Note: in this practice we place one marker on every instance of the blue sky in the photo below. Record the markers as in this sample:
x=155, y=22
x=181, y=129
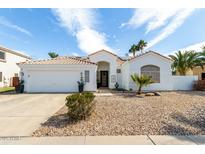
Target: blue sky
x=82, y=31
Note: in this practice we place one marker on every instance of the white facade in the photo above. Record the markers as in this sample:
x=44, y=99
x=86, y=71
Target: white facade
x=57, y=78
x=8, y=65
x=135, y=65
x=109, y=63
x=167, y=80
x=108, y=68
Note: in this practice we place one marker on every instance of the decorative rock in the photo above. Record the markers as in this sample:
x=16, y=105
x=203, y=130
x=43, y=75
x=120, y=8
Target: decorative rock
x=149, y=94
x=157, y=94
x=174, y=113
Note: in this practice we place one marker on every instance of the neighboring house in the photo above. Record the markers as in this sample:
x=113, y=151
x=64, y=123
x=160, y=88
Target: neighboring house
x=188, y=72
x=8, y=66
x=103, y=68
x=199, y=72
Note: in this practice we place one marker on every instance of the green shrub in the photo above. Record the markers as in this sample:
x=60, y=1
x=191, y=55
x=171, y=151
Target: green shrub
x=80, y=105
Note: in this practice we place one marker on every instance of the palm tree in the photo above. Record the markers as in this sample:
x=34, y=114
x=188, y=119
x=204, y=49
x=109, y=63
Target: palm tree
x=141, y=81
x=53, y=54
x=141, y=45
x=184, y=61
x=202, y=54
x=133, y=49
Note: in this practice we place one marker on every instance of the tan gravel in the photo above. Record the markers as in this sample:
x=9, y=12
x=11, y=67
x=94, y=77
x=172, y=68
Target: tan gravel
x=173, y=113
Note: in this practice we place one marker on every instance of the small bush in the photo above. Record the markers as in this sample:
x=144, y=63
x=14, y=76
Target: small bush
x=80, y=105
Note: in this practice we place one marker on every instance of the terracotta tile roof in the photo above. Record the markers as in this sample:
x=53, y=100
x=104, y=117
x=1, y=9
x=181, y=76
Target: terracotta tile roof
x=61, y=60
x=102, y=50
x=120, y=61
x=150, y=52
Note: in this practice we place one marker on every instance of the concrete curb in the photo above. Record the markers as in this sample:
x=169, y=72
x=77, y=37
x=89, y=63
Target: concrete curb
x=104, y=140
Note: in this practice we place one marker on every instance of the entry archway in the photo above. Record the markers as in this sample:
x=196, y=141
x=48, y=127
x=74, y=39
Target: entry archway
x=103, y=73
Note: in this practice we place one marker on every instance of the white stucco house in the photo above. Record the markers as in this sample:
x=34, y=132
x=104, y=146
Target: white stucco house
x=8, y=65
x=101, y=68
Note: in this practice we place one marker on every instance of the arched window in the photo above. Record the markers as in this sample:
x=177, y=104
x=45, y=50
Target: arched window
x=152, y=71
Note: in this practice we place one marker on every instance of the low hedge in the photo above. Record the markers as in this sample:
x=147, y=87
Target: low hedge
x=80, y=105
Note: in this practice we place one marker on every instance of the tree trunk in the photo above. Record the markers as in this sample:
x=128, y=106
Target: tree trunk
x=182, y=73
x=139, y=90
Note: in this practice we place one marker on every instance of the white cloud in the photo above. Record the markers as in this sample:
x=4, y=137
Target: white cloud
x=13, y=38
x=7, y=23
x=82, y=24
x=167, y=19
x=154, y=18
x=176, y=22
x=91, y=40
x=75, y=54
x=197, y=47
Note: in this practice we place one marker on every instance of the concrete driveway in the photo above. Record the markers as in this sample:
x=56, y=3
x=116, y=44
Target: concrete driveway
x=21, y=114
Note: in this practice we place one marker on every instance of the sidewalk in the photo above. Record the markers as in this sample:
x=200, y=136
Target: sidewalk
x=106, y=140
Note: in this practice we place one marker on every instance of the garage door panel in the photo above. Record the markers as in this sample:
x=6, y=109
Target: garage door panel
x=53, y=81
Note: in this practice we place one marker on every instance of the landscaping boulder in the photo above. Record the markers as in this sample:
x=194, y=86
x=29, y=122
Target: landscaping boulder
x=157, y=94
x=149, y=94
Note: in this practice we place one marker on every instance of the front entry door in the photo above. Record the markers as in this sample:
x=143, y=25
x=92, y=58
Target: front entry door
x=104, y=78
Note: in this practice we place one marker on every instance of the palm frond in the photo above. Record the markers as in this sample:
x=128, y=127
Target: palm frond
x=141, y=81
x=183, y=61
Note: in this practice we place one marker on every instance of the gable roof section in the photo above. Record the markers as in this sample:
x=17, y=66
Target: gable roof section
x=102, y=51
x=60, y=60
x=120, y=61
x=14, y=52
x=148, y=52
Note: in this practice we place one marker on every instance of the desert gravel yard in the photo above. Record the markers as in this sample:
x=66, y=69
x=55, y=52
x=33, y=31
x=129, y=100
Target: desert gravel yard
x=173, y=113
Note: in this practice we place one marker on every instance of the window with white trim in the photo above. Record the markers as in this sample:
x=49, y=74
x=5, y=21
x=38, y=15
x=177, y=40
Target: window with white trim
x=151, y=71
x=87, y=76
x=2, y=55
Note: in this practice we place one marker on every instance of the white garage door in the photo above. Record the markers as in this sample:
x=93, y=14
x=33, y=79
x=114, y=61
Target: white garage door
x=53, y=81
